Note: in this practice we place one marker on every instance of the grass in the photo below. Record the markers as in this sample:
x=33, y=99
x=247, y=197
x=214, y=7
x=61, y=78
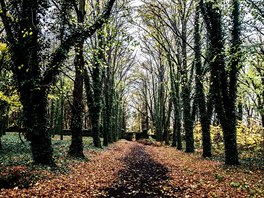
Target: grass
x=14, y=151
x=16, y=165
x=17, y=153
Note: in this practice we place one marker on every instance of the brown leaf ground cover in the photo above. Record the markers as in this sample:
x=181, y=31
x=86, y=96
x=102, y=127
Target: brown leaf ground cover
x=131, y=169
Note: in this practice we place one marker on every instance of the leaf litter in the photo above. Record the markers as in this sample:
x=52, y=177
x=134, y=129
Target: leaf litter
x=131, y=169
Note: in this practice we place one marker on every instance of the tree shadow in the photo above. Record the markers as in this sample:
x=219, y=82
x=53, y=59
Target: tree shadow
x=143, y=177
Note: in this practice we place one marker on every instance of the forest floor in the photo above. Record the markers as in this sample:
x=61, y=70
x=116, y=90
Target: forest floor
x=131, y=169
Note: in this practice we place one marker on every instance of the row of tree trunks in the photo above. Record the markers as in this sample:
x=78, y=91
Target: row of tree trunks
x=33, y=87
x=223, y=81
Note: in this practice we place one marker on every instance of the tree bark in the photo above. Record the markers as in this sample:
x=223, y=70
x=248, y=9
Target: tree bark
x=167, y=124
x=35, y=114
x=177, y=140
x=107, y=112
x=3, y=119
x=76, y=147
x=224, y=91
x=204, y=117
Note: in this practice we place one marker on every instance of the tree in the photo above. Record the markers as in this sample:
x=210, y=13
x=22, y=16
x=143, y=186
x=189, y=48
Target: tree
x=76, y=147
x=173, y=37
x=24, y=36
x=3, y=97
x=224, y=81
x=94, y=82
x=119, y=59
x=176, y=141
x=250, y=92
x=188, y=108
x=200, y=95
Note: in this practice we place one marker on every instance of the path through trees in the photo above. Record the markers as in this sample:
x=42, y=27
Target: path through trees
x=143, y=177
x=131, y=169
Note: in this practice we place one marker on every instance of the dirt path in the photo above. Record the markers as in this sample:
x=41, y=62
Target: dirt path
x=143, y=177
x=130, y=169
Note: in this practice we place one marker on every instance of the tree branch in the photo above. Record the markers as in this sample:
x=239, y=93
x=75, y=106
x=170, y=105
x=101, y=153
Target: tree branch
x=6, y=23
x=61, y=52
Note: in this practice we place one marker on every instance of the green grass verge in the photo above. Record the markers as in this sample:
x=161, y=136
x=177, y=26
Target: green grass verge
x=17, y=153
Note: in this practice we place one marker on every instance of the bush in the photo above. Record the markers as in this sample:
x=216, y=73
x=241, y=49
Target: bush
x=249, y=139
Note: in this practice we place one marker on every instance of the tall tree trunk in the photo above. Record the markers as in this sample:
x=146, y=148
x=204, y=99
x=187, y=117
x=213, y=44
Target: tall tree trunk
x=186, y=85
x=229, y=125
x=3, y=119
x=224, y=91
x=187, y=119
x=97, y=86
x=106, y=126
x=174, y=142
x=114, y=118
x=76, y=147
x=160, y=102
x=177, y=140
x=145, y=117
x=33, y=94
x=95, y=119
x=107, y=113
x=167, y=124
x=61, y=117
x=93, y=93
x=204, y=117
x=51, y=118
x=186, y=92
x=35, y=114
x=123, y=120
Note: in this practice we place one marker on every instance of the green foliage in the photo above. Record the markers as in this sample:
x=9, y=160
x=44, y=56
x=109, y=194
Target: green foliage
x=12, y=100
x=249, y=139
x=14, y=151
x=235, y=184
x=219, y=177
x=17, y=153
x=3, y=48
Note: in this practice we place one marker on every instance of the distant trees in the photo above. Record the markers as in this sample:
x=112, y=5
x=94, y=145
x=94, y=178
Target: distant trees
x=203, y=79
x=111, y=57
x=251, y=96
x=168, y=28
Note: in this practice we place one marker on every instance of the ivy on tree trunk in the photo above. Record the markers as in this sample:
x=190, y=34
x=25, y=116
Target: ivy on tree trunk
x=224, y=82
x=76, y=147
x=24, y=40
x=204, y=117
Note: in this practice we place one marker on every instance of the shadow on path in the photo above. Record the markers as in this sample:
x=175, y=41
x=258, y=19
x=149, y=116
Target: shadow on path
x=143, y=177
